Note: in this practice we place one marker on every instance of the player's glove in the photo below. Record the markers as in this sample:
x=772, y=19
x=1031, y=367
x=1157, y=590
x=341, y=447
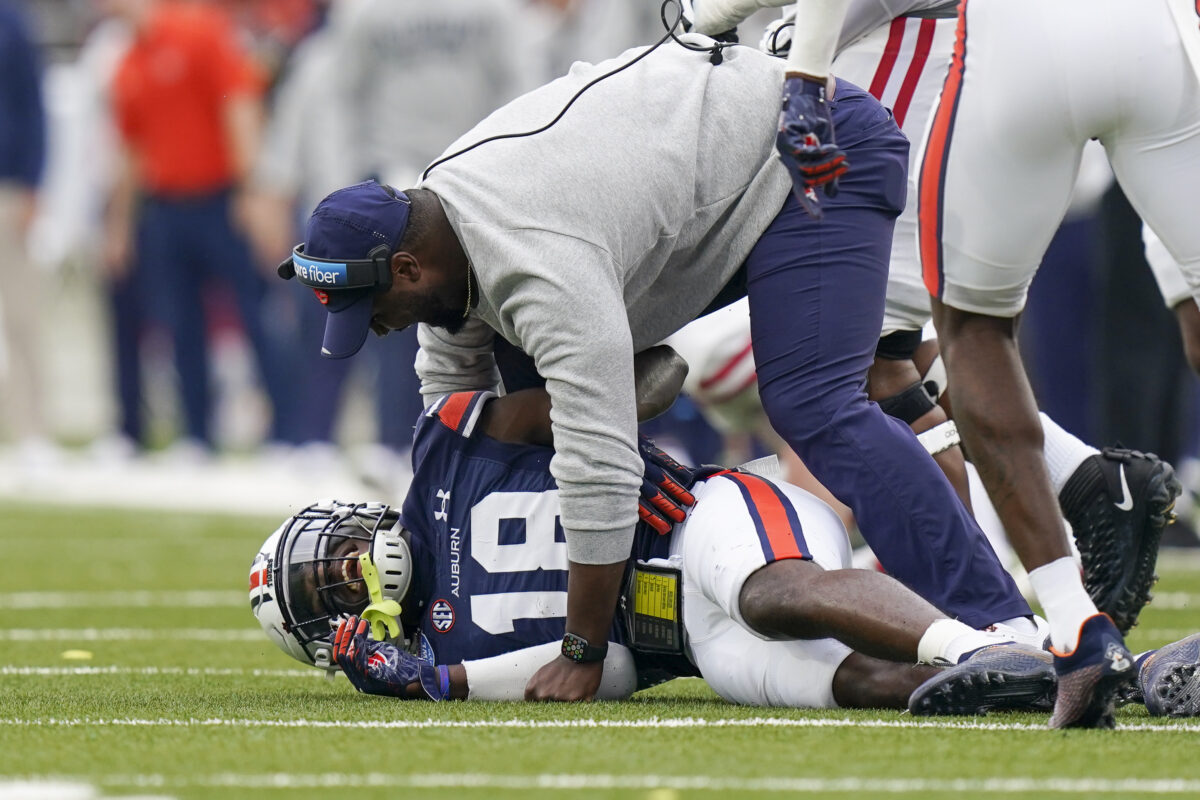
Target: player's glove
x=805, y=141
x=665, y=483
x=384, y=669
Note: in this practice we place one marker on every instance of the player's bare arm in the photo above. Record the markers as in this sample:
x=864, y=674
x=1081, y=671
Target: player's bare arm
x=524, y=416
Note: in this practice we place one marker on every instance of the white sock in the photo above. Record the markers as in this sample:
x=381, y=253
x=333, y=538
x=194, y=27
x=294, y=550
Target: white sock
x=1064, y=452
x=1059, y=588
x=1024, y=625
x=947, y=640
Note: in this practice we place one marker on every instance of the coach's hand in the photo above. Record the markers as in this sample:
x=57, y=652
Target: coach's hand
x=665, y=497
x=565, y=681
x=805, y=141
x=384, y=669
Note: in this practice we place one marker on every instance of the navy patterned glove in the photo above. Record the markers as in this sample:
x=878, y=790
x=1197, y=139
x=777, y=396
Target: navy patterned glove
x=806, y=142
x=384, y=669
x=665, y=497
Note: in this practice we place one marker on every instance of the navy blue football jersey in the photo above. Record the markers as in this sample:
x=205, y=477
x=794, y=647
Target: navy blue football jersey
x=489, y=550
x=490, y=553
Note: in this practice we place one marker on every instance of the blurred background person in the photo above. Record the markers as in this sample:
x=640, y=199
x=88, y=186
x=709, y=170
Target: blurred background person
x=377, y=93
x=187, y=103
x=22, y=158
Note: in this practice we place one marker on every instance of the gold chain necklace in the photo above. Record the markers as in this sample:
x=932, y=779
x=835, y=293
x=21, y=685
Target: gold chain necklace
x=467, y=310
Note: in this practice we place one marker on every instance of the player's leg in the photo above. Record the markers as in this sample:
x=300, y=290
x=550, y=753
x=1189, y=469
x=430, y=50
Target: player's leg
x=894, y=382
x=759, y=617
x=174, y=283
x=993, y=148
x=1177, y=294
x=223, y=245
x=870, y=612
x=903, y=64
x=721, y=545
x=816, y=293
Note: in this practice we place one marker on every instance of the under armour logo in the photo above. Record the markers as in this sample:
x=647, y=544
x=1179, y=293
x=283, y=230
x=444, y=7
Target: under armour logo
x=444, y=496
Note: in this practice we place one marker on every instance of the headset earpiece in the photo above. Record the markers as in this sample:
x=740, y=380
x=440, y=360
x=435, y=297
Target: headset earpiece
x=381, y=255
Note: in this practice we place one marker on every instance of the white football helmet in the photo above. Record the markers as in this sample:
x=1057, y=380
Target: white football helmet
x=307, y=574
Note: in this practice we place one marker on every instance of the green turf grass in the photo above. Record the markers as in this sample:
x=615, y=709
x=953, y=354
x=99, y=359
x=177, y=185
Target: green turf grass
x=182, y=698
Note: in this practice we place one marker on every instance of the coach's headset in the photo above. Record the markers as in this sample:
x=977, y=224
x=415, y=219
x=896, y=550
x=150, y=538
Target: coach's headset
x=374, y=271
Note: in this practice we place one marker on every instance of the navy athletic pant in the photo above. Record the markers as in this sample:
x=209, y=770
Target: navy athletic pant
x=816, y=290
x=186, y=244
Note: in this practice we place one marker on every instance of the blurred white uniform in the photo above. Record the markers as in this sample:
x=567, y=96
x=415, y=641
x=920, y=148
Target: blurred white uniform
x=413, y=75
x=899, y=51
x=903, y=62
x=1031, y=82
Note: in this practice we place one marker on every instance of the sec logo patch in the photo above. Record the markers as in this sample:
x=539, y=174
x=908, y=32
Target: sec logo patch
x=441, y=614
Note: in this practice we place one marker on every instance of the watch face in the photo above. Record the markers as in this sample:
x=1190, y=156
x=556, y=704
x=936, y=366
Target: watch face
x=577, y=649
x=574, y=647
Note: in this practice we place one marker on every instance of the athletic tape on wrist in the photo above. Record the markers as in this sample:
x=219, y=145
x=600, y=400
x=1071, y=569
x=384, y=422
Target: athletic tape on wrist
x=939, y=438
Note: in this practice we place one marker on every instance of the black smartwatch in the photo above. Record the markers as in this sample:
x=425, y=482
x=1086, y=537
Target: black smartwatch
x=576, y=648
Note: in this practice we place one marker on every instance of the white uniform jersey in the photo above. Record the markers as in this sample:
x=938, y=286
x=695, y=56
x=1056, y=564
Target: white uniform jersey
x=866, y=16
x=1030, y=84
x=903, y=63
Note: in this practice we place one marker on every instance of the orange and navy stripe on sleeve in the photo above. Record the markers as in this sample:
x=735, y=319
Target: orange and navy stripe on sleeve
x=774, y=517
x=931, y=188
x=460, y=411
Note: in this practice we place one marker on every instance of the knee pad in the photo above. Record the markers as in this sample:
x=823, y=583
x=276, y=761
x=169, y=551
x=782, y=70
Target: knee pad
x=898, y=346
x=909, y=405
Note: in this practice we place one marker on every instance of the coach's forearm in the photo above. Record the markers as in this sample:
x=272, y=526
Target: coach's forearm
x=592, y=591
x=718, y=16
x=815, y=37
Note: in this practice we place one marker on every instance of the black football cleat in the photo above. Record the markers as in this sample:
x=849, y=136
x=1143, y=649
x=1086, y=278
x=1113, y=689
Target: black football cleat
x=1118, y=503
x=1170, y=679
x=1090, y=676
x=1012, y=677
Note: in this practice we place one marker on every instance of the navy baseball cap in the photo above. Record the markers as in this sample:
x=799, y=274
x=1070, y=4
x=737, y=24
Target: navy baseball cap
x=345, y=258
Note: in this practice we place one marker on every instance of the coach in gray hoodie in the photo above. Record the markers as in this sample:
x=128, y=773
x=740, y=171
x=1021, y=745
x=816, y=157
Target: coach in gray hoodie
x=657, y=196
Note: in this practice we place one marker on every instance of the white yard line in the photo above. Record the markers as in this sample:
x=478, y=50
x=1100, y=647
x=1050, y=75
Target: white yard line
x=649, y=723
x=130, y=634
x=713, y=783
x=217, y=672
x=1175, y=601
x=124, y=599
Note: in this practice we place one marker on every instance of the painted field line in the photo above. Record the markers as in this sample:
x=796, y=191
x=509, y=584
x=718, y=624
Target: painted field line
x=648, y=723
x=1175, y=601
x=225, y=598
x=123, y=599
x=130, y=634
x=1161, y=636
x=714, y=783
x=216, y=672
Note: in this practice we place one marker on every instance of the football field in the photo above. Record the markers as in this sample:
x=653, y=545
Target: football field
x=130, y=665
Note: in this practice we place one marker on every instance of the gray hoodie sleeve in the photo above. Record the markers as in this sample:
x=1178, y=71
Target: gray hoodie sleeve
x=562, y=300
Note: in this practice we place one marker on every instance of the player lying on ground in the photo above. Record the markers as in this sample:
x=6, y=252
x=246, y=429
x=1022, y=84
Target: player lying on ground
x=476, y=565
x=757, y=580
